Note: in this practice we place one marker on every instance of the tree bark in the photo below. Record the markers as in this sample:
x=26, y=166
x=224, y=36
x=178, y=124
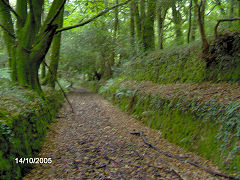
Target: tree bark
x=6, y=21
x=189, y=22
x=28, y=44
x=116, y=22
x=177, y=21
x=137, y=23
x=55, y=54
x=132, y=31
x=148, y=28
x=27, y=49
x=161, y=14
x=142, y=17
x=194, y=23
x=201, y=10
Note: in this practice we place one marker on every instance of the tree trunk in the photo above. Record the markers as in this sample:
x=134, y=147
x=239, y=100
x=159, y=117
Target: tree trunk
x=161, y=14
x=116, y=22
x=132, y=32
x=177, y=21
x=194, y=23
x=29, y=43
x=9, y=40
x=231, y=12
x=142, y=17
x=189, y=22
x=201, y=10
x=55, y=54
x=148, y=28
x=137, y=23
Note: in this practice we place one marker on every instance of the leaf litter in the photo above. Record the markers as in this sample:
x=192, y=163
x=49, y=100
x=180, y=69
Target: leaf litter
x=96, y=143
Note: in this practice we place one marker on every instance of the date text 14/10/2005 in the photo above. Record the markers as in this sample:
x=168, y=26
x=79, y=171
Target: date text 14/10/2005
x=33, y=160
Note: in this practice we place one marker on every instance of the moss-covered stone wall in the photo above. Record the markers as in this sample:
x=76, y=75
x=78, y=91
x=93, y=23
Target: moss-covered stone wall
x=208, y=127
x=24, y=119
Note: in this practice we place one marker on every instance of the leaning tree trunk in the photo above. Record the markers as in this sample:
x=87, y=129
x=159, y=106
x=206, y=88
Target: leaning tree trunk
x=201, y=10
x=29, y=43
x=51, y=76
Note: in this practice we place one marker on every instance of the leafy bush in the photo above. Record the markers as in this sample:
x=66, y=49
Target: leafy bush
x=24, y=118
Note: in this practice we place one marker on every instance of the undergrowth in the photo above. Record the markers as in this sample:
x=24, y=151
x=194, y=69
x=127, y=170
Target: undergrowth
x=209, y=128
x=184, y=64
x=181, y=64
x=24, y=119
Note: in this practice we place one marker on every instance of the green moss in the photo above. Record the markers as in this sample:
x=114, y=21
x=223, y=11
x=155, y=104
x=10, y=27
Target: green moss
x=24, y=119
x=210, y=129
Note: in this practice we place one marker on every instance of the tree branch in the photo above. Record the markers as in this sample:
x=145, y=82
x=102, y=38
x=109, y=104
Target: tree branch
x=64, y=94
x=221, y=20
x=14, y=37
x=57, y=13
x=180, y=158
x=93, y=18
x=11, y=9
x=212, y=9
x=9, y=33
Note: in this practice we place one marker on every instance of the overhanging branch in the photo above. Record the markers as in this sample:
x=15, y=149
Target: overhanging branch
x=9, y=33
x=93, y=18
x=11, y=9
x=57, y=13
x=221, y=20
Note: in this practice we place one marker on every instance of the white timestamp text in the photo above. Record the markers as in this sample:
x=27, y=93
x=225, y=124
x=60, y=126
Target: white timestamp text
x=33, y=160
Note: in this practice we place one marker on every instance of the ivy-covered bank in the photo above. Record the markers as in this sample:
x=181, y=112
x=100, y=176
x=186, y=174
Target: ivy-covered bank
x=24, y=119
x=202, y=118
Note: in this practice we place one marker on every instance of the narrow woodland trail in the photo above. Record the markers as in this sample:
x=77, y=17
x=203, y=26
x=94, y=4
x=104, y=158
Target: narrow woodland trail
x=96, y=143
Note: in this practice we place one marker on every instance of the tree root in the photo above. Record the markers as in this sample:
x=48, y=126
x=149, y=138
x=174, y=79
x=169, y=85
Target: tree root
x=180, y=158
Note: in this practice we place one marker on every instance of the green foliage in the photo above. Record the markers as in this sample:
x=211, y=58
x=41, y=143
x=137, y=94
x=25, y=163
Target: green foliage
x=24, y=119
x=212, y=129
x=92, y=85
x=3, y=57
x=87, y=52
x=5, y=73
x=184, y=64
x=224, y=58
x=169, y=66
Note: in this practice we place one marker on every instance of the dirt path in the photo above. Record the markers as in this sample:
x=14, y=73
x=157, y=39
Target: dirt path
x=96, y=143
